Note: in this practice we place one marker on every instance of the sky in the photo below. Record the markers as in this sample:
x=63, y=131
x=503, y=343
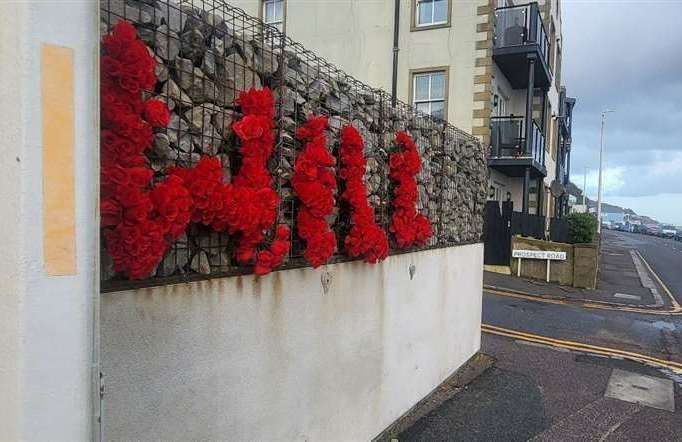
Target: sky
x=627, y=56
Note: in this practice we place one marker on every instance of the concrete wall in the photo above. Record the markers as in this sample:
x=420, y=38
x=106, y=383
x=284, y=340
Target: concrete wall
x=277, y=359
x=586, y=268
x=46, y=320
x=581, y=268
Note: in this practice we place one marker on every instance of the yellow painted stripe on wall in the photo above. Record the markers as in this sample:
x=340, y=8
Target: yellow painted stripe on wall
x=59, y=227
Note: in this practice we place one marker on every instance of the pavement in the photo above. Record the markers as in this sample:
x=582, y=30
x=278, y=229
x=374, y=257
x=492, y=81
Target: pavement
x=576, y=365
x=626, y=277
x=541, y=394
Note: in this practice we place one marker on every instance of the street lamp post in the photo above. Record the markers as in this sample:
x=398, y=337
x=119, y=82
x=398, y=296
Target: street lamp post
x=601, y=166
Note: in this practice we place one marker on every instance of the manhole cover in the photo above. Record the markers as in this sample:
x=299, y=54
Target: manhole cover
x=645, y=390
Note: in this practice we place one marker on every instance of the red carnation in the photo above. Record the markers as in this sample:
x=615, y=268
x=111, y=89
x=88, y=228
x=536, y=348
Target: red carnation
x=315, y=184
x=365, y=237
x=156, y=113
x=408, y=226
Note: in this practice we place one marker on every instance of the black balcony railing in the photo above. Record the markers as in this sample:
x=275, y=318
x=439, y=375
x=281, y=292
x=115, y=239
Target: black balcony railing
x=520, y=35
x=508, y=139
x=521, y=26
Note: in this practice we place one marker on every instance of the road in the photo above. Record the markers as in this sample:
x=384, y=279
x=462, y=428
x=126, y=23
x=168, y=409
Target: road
x=664, y=255
x=655, y=335
x=554, y=379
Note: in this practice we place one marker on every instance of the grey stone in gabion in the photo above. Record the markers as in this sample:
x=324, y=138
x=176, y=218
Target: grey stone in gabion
x=233, y=73
x=183, y=69
x=161, y=70
x=176, y=128
x=171, y=92
x=208, y=64
x=336, y=123
x=160, y=164
x=338, y=104
x=134, y=13
x=166, y=43
x=284, y=169
x=218, y=45
x=175, y=262
x=263, y=60
x=193, y=45
x=222, y=121
x=332, y=217
x=195, y=83
x=185, y=143
x=170, y=15
x=147, y=36
x=374, y=200
x=209, y=141
x=161, y=145
x=289, y=99
x=319, y=89
x=200, y=263
x=369, y=99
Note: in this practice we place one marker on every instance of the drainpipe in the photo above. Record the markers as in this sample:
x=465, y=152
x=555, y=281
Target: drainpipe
x=529, y=129
x=396, y=37
x=526, y=190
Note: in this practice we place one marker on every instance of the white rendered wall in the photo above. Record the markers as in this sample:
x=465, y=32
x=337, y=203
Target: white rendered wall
x=45, y=321
x=357, y=35
x=275, y=358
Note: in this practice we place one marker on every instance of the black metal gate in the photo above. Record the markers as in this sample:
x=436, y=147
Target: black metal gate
x=497, y=233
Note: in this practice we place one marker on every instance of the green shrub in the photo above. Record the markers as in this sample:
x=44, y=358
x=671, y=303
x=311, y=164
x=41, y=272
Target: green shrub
x=582, y=227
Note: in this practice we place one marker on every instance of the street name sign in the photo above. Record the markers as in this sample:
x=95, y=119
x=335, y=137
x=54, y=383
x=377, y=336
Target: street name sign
x=539, y=254
x=547, y=255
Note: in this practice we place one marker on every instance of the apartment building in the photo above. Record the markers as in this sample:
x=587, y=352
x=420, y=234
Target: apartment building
x=489, y=67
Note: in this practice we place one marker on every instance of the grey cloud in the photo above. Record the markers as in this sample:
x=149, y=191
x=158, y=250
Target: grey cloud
x=626, y=55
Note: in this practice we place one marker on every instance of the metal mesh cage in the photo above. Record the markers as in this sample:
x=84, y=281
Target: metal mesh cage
x=207, y=52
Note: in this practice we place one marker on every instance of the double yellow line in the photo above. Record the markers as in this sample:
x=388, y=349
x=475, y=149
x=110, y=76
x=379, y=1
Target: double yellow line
x=673, y=366
x=598, y=305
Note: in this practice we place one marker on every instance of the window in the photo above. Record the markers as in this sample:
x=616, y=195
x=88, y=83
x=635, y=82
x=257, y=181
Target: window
x=429, y=91
x=500, y=104
x=273, y=13
x=431, y=12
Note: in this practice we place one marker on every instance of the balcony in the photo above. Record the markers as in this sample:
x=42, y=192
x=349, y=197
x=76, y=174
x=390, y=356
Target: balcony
x=509, y=152
x=567, y=121
x=519, y=35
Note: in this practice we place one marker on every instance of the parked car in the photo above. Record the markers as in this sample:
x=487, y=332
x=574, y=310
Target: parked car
x=619, y=226
x=668, y=232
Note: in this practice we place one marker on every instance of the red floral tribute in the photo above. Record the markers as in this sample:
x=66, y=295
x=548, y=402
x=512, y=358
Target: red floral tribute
x=408, y=226
x=252, y=186
x=248, y=205
x=365, y=237
x=315, y=184
x=140, y=221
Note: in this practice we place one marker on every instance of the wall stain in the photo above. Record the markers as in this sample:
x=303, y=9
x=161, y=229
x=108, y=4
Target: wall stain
x=257, y=286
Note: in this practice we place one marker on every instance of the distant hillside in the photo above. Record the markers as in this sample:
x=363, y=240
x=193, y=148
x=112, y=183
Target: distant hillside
x=610, y=208
x=577, y=192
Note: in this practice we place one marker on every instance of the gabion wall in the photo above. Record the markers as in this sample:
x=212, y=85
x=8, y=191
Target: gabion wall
x=207, y=52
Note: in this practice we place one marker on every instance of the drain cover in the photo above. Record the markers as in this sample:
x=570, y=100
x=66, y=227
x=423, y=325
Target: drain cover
x=645, y=390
